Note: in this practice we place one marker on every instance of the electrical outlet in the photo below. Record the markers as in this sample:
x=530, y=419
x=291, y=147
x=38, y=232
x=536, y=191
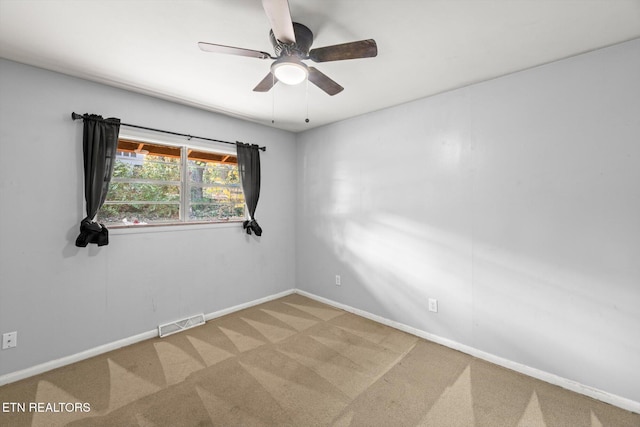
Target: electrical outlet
x=433, y=305
x=9, y=340
x=338, y=282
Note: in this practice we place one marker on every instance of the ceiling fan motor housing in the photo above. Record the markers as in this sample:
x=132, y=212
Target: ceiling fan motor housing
x=301, y=47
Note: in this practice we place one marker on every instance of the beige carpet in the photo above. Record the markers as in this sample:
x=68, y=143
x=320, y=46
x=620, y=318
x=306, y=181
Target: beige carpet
x=296, y=362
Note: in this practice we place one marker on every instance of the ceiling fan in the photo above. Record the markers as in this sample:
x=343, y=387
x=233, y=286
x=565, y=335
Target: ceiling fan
x=292, y=44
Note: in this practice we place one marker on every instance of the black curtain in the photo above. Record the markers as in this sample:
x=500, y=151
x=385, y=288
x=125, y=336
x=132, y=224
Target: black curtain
x=249, y=169
x=99, y=145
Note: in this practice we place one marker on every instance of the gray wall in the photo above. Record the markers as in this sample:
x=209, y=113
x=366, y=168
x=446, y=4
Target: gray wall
x=515, y=203
x=62, y=299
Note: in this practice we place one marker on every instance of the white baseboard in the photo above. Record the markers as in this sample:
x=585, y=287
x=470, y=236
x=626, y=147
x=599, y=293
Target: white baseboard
x=73, y=358
x=612, y=399
x=77, y=357
x=239, y=307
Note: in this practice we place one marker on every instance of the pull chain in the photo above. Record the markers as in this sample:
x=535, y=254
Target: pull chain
x=307, y=101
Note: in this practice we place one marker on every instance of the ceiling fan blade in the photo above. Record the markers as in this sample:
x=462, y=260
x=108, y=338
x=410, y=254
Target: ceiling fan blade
x=323, y=82
x=266, y=84
x=279, y=17
x=354, y=50
x=230, y=50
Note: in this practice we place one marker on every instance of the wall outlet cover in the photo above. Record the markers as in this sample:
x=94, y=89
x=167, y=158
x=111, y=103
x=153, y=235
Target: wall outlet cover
x=9, y=340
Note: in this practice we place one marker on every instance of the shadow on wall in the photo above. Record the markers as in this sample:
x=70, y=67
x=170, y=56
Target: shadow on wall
x=492, y=299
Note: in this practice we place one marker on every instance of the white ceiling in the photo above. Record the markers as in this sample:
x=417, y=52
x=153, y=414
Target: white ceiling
x=424, y=47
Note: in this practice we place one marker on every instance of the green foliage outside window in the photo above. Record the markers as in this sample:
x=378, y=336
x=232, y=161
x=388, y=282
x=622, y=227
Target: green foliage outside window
x=215, y=191
x=148, y=190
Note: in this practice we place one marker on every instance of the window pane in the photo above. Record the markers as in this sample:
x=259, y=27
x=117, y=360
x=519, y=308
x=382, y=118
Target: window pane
x=214, y=189
x=139, y=213
x=139, y=192
x=215, y=212
x=137, y=148
x=159, y=169
x=216, y=193
x=213, y=173
x=209, y=157
x=216, y=202
x=147, y=167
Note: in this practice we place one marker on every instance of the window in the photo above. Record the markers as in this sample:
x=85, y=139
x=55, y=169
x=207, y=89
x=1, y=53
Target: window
x=165, y=184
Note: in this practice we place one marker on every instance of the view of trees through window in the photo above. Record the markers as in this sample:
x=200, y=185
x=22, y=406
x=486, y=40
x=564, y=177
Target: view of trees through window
x=215, y=191
x=149, y=186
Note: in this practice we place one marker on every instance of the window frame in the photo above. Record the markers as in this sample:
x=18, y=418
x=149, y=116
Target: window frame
x=143, y=136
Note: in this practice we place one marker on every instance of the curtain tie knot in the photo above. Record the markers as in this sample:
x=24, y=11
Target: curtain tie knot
x=92, y=232
x=252, y=225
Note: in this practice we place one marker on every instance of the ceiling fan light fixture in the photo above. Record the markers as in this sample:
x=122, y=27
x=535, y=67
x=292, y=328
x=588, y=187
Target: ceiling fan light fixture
x=290, y=70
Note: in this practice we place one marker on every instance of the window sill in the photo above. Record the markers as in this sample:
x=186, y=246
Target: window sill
x=175, y=226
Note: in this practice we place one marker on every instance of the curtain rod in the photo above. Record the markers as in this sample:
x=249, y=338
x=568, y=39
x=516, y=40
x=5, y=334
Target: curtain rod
x=76, y=116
